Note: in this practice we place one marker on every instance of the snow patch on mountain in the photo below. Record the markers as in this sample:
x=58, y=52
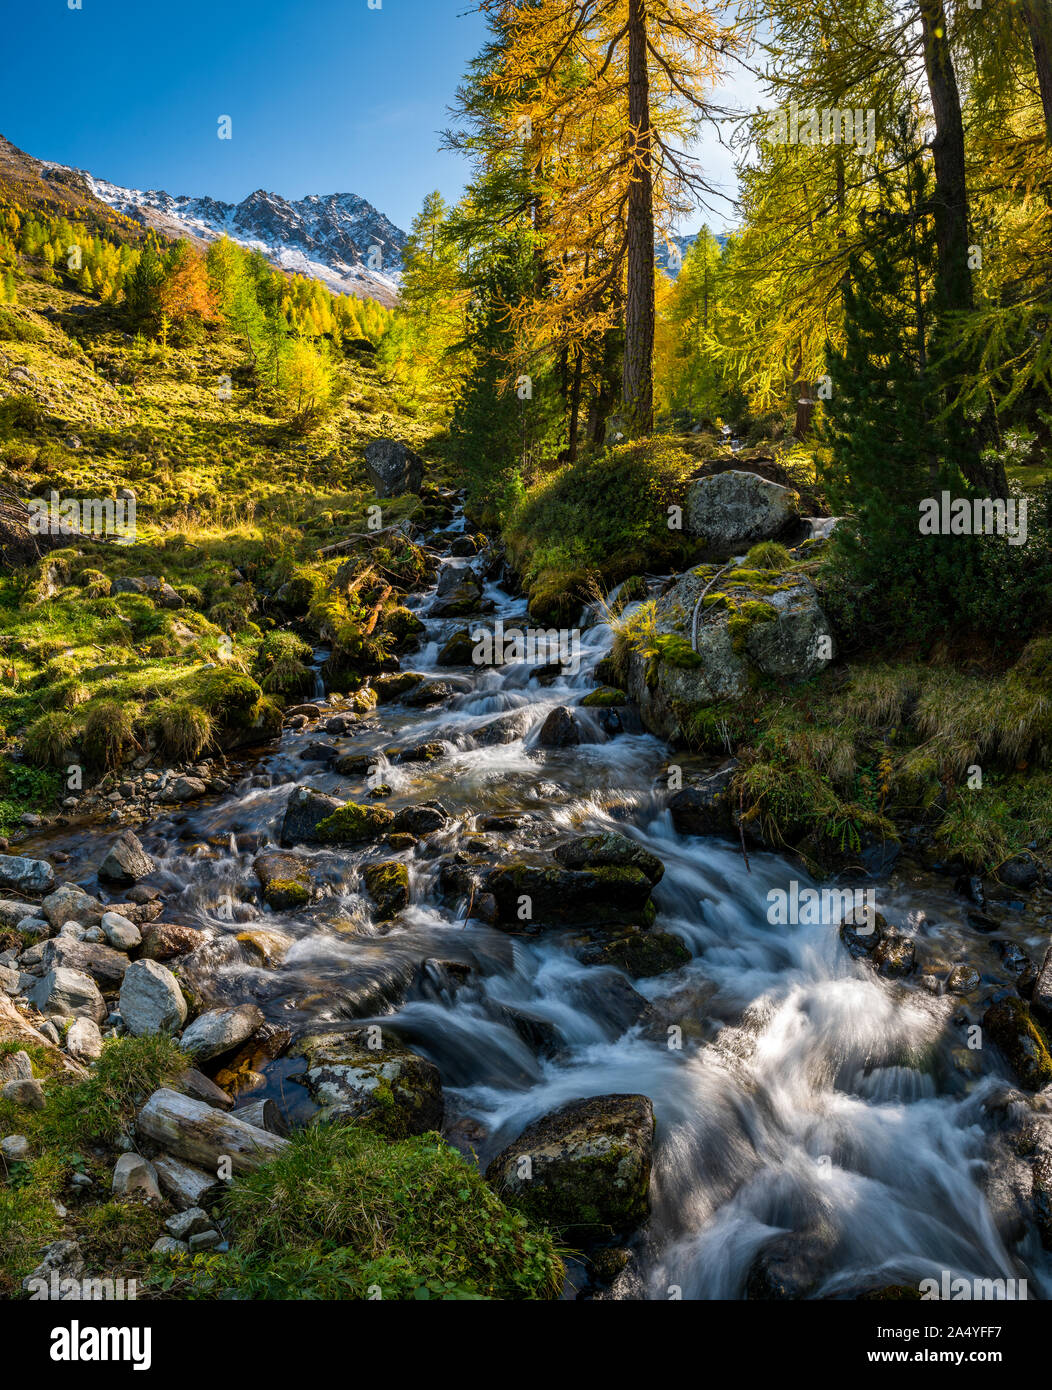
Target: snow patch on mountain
x=337, y=238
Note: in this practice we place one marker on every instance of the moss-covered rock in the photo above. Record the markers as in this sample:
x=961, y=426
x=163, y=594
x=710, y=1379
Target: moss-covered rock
x=353, y=824
x=545, y=895
x=584, y=1169
x=305, y=812
x=609, y=849
x=604, y=697
x=388, y=885
x=1022, y=1043
x=389, y=1088
x=285, y=879
x=641, y=954
x=457, y=650
x=392, y=685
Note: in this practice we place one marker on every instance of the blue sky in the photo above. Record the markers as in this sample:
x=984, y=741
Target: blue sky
x=325, y=96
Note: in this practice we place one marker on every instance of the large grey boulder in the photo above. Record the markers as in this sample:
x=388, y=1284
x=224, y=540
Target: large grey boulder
x=21, y=875
x=775, y=628
x=393, y=468
x=220, y=1031
x=730, y=511
x=151, y=1000
x=65, y=993
x=126, y=862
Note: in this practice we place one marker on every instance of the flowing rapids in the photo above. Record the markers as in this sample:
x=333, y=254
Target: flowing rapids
x=795, y=1091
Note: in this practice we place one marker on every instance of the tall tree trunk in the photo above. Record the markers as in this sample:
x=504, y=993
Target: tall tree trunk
x=575, y=404
x=638, y=380
x=951, y=190
x=954, y=277
x=1039, y=22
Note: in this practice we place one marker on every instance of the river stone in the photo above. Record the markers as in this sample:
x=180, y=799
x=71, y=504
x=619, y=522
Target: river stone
x=285, y=879
x=182, y=789
x=506, y=728
x=21, y=875
x=126, y=862
x=151, y=1000
x=13, y=912
x=963, y=979
x=220, y=1031
x=392, y=468
x=862, y=937
x=422, y=819
x=589, y=1171
x=84, y=1041
x=305, y=811
x=610, y=848
x=1021, y=873
x=641, y=954
x=894, y=956
x=388, y=886
x=788, y=1268
x=568, y=897
x=1008, y=1023
x=705, y=807
x=730, y=511
x=166, y=940
x=106, y=966
x=71, y=904
x=134, y=1175
x=560, y=729
x=119, y=932
x=392, y=685
x=389, y=1089
x=268, y=946
x=65, y=993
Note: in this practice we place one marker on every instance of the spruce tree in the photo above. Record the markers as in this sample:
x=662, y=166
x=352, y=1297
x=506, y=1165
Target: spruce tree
x=891, y=440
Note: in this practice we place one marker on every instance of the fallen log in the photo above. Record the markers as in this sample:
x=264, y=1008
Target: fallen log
x=263, y=1114
x=204, y=1137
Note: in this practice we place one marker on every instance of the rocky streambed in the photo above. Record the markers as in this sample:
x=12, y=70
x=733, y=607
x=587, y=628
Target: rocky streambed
x=482, y=900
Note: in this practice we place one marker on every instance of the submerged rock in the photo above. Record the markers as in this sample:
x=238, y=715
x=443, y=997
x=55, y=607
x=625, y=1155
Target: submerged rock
x=584, y=1168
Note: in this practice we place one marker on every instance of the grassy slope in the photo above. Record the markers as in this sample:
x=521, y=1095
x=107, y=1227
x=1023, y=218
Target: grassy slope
x=230, y=503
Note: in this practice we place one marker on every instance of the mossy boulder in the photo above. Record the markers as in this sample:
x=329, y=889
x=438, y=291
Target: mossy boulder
x=641, y=954
x=583, y=1169
x=545, y=895
x=305, y=812
x=604, y=697
x=388, y=885
x=286, y=880
x=457, y=650
x=353, y=824
x=1023, y=1045
x=395, y=684
x=388, y=1088
x=609, y=849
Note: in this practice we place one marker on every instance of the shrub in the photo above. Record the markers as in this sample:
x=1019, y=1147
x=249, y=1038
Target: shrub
x=108, y=730
x=184, y=730
x=49, y=739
